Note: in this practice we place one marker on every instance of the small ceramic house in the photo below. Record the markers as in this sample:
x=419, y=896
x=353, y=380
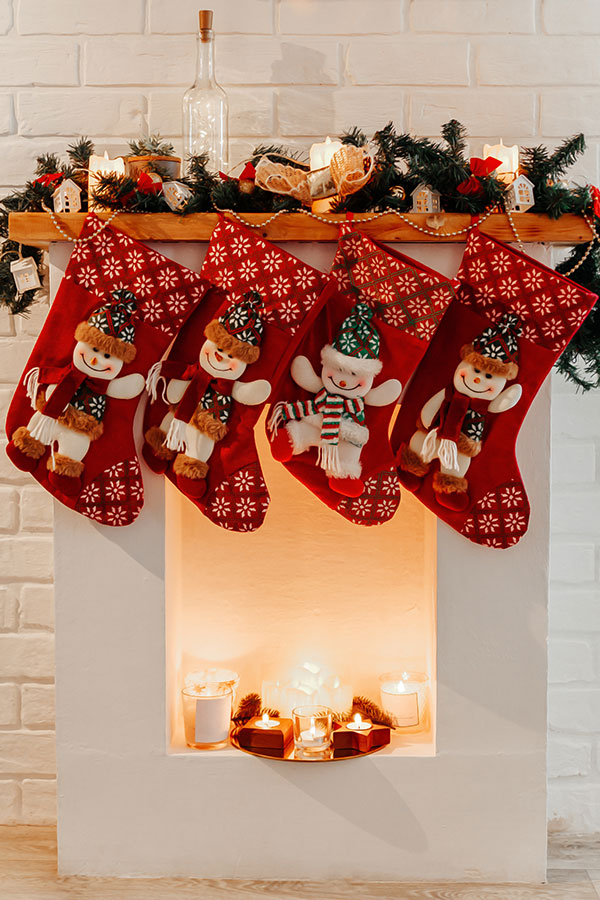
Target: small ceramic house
x=25, y=273
x=426, y=200
x=176, y=194
x=67, y=197
x=519, y=196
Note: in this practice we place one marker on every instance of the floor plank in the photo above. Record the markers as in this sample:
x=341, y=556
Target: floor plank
x=27, y=842
x=574, y=851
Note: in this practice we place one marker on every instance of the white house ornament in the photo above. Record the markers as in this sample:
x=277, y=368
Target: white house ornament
x=67, y=197
x=25, y=273
x=519, y=196
x=176, y=194
x=426, y=200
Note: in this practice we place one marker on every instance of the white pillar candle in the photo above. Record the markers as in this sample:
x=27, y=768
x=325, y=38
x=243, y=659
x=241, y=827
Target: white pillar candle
x=101, y=165
x=320, y=157
x=207, y=719
x=509, y=159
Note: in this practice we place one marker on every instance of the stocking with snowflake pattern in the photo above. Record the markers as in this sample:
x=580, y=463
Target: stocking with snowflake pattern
x=331, y=429
x=208, y=395
x=456, y=432
x=70, y=422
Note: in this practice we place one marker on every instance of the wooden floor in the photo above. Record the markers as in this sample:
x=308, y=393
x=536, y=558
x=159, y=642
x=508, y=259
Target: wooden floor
x=28, y=872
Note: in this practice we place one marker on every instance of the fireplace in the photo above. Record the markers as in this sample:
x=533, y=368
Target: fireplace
x=138, y=607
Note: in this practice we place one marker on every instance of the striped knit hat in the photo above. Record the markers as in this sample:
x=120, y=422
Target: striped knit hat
x=355, y=348
x=496, y=349
x=239, y=329
x=110, y=327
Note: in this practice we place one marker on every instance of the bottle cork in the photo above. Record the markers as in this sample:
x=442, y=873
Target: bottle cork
x=205, y=17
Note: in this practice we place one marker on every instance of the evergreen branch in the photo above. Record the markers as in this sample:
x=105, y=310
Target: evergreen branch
x=152, y=145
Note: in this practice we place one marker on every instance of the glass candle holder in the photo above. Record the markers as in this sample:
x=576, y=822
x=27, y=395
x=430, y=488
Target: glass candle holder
x=313, y=730
x=405, y=696
x=208, y=698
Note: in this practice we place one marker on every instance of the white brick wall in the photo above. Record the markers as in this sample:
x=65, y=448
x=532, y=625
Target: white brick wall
x=295, y=69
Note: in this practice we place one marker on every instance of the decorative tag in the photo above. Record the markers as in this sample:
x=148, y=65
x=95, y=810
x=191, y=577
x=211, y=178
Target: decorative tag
x=25, y=273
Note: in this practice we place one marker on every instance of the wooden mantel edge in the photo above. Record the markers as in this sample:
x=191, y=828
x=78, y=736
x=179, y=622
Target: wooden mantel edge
x=37, y=229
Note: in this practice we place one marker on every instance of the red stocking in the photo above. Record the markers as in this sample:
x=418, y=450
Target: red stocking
x=247, y=329
x=401, y=303
x=456, y=432
x=70, y=422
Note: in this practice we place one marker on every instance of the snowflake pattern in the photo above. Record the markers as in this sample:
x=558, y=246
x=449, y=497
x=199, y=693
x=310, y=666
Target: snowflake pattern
x=377, y=503
x=167, y=279
x=115, y=497
x=500, y=518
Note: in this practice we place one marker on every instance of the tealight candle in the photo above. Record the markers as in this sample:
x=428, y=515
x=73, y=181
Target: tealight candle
x=101, y=165
x=359, y=724
x=312, y=731
x=266, y=722
x=509, y=158
x=320, y=157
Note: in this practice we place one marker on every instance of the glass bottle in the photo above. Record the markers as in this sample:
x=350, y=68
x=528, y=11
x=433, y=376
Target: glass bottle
x=205, y=106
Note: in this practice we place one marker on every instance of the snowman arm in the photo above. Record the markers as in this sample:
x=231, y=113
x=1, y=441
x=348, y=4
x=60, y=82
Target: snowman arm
x=506, y=400
x=126, y=387
x=175, y=390
x=49, y=389
x=305, y=376
x=385, y=393
x=251, y=393
x=431, y=408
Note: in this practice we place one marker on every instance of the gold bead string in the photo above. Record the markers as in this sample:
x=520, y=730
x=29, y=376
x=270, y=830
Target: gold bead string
x=592, y=227
x=79, y=240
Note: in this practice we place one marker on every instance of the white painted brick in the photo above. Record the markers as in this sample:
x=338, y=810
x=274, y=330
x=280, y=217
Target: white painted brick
x=37, y=706
x=24, y=753
x=37, y=510
x=576, y=512
x=569, y=756
x=36, y=607
x=81, y=112
x=270, y=61
x=321, y=111
x=569, y=111
x=538, y=60
x=473, y=16
x=26, y=558
x=406, y=60
x=250, y=111
x=574, y=710
x=573, y=463
x=39, y=801
x=566, y=17
x=18, y=159
x=6, y=113
x=576, y=416
x=574, y=611
x=483, y=112
x=7, y=325
x=144, y=60
x=9, y=705
x=577, y=807
x=26, y=656
x=75, y=17
x=39, y=61
x=570, y=661
x=341, y=17
x=13, y=357
x=9, y=608
x=9, y=510
x=9, y=474
x=6, y=15
x=10, y=803
x=31, y=324
x=179, y=17
x=6, y=394
x=572, y=563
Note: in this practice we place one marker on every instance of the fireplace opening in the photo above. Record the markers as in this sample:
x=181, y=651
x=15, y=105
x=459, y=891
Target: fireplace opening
x=309, y=607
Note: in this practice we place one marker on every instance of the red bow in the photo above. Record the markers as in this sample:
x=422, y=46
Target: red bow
x=48, y=180
x=596, y=198
x=480, y=168
x=146, y=185
x=249, y=173
x=471, y=186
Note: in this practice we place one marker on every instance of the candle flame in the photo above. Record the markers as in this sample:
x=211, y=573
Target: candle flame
x=357, y=718
x=106, y=154
x=266, y=718
x=400, y=687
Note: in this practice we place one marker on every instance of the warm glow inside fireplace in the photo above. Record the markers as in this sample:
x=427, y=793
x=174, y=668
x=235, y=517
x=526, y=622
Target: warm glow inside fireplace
x=307, y=587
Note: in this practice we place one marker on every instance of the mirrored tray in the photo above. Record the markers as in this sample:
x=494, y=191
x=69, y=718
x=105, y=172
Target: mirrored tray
x=336, y=755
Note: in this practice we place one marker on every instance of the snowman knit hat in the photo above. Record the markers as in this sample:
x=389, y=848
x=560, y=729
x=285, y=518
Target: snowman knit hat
x=110, y=329
x=496, y=349
x=355, y=348
x=240, y=329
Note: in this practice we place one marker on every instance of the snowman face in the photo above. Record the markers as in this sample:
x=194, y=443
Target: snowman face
x=95, y=362
x=348, y=384
x=219, y=363
x=475, y=382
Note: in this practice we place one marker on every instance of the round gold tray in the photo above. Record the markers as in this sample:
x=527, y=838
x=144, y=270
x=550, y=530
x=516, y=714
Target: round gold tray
x=336, y=756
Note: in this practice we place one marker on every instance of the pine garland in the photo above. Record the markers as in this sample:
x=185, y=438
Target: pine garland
x=251, y=707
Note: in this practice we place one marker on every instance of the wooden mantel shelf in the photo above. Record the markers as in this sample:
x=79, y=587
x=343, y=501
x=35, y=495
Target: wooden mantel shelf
x=37, y=229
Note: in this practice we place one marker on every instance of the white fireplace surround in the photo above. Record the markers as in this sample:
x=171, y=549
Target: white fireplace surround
x=474, y=811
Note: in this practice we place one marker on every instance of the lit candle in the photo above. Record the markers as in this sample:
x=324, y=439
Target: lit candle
x=315, y=736
x=320, y=157
x=266, y=722
x=359, y=724
x=404, y=697
x=509, y=156
x=101, y=165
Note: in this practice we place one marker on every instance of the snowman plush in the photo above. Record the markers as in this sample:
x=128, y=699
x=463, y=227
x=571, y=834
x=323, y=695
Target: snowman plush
x=453, y=422
x=201, y=395
x=334, y=420
x=70, y=402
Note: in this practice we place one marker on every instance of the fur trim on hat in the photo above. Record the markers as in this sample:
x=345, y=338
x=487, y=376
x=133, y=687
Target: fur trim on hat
x=77, y=420
x=412, y=462
x=510, y=370
x=27, y=444
x=205, y=422
x=189, y=467
x=107, y=343
x=332, y=357
x=156, y=438
x=449, y=484
x=64, y=465
x=219, y=335
x=467, y=446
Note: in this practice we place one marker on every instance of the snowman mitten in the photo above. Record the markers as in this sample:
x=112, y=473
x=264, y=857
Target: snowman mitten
x=456, y=432
x=210, y=392
x=70, y=421
x=333, y=433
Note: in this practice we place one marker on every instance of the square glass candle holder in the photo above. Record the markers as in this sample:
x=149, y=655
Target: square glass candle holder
x=313, y=731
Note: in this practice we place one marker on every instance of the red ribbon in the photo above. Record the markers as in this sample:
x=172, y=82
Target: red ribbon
x=146, y=185
x=49, y=179
x=480, y=168
x=596, y=198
